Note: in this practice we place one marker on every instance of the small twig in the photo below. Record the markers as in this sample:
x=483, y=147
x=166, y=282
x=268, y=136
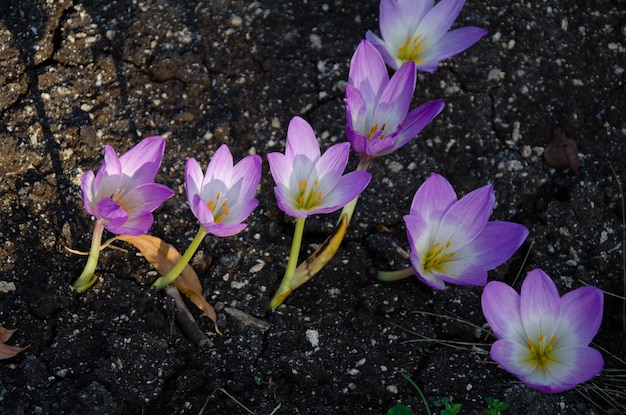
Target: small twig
x=524, y=262
x=621, y=192
x=186, y=321
x=234, y=399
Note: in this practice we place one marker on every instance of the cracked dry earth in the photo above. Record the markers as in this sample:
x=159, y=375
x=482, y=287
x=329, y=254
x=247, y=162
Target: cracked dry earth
x=75, y=75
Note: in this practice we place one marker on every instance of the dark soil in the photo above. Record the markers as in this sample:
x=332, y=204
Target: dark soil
x=76, y=75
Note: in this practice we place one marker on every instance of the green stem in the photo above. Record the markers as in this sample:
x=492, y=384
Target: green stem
x=286, y=284
x=182, y=263
x=88, y=278
x=394, y=275
x=417, y=388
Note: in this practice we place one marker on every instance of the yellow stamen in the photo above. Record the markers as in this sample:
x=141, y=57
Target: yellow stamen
x=218, y=213
x=541, y=351
x=437, y=257
x=412, y=50
x=308, y=199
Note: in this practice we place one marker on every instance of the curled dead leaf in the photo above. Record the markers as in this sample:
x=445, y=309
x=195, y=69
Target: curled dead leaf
x=6, y=351
x=163, y=258
x=562, y=152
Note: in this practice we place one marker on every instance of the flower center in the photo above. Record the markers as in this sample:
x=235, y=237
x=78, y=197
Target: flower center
x=541, y=350
x=376, y=132
x=308, y=198
x=412, y=50
x=437, y=256
x=219, y=207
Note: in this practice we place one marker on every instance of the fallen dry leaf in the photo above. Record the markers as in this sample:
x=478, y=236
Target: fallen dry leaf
x=163, y=257
x=6, y=351
x=562, y=152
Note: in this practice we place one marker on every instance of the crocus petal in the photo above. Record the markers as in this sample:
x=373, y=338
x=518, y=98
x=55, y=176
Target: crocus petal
x=438, y=20
x=452, y=43
x=331, y=165
x=141, y=163
x=465, y=219
x=427, y=278
x=248, y=172
x=539, y=305
x=137, y=225
x=220, y=167
x=581, y=315
x=500, y=305
x=497, y=242
x=201, y=211
x=433, y=198
x=367, y=71
x=347, y=188
x=570, y=367
x=193, y=179
x=88, y=195
x=301, y=140
x=146, y=197
x=395, y=99
x=383, y=48
x=462, y=273
x=513, y=357
x=223, y=231
x=417, y=120
x=112, y=214
x=108, y=179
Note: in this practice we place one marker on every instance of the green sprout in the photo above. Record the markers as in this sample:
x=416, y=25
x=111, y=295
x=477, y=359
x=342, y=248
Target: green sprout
x=448, y=407
x=496, y=406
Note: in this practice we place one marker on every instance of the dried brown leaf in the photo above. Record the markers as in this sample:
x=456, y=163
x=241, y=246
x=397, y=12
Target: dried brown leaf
x=562, y=152
x=6, y=351
x=163, y=257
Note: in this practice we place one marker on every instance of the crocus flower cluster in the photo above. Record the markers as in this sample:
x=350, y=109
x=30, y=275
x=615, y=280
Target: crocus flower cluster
x=122, y=196
x=417, y=31
x=453, y=240
x=377, y=107
x=308, y=183
x=221, y=199
x=544, y=338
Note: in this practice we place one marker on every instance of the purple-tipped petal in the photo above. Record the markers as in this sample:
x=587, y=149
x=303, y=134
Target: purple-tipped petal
x=581, y=315
x=146, y=197
x=141, y=163
x=348, y=187
x=452, y=43
x=539, y=305
x=497, y=243
x=111, y=213
x=367, y=71
x=457, y=272
x=469, y=215
x=513, y=357
x=439, y=19
x=137, y=225
x=193, y=179
x=395, y=99
x=219, y=168
x=433, y=198
x=301, y=140
x=418, y=119
x=501, y=307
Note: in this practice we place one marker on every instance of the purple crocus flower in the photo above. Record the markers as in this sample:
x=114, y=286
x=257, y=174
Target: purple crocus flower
x=307, y=183
x=417, y=31
x=452, y=240
x=222, y=198
x=122, y=194
x=377, y=108
x=544, y=338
